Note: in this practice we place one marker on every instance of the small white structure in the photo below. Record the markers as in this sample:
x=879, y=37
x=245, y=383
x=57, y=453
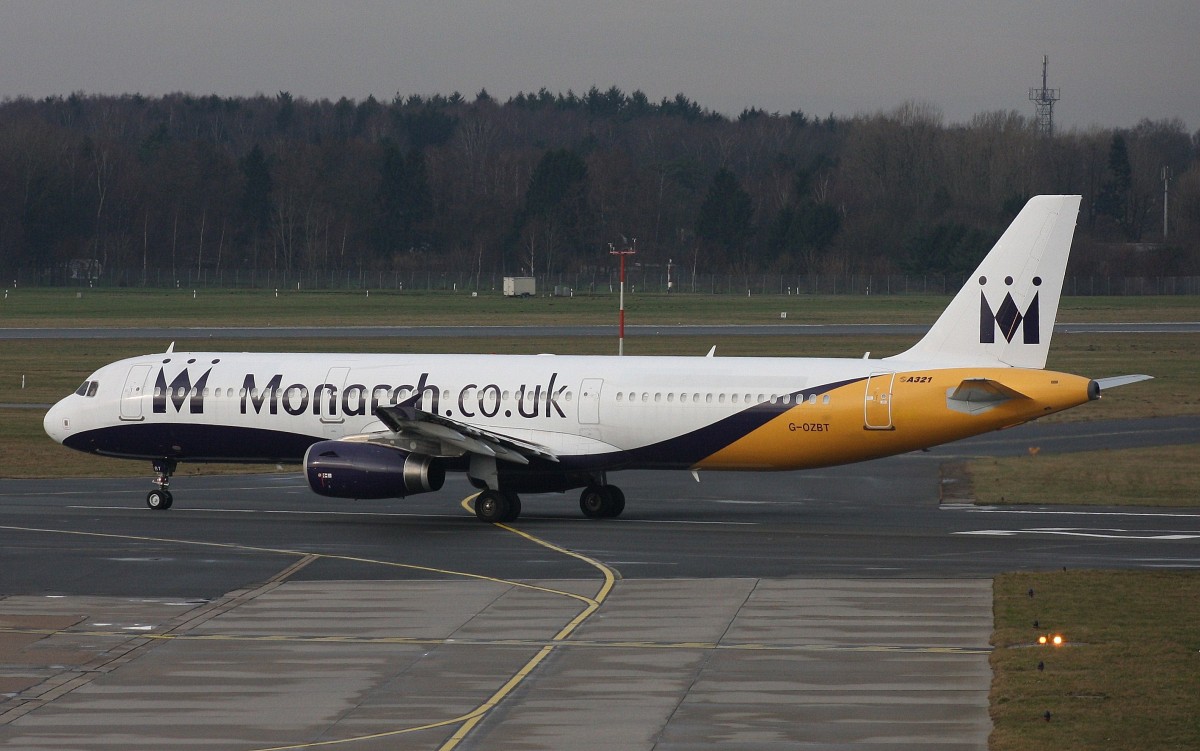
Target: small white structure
x=520, y=286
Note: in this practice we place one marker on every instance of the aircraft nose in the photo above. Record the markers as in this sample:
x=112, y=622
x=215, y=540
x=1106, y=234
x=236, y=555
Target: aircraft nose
x=57, y=423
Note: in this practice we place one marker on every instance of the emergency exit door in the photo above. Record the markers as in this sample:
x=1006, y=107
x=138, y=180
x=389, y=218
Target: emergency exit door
x=877, y=402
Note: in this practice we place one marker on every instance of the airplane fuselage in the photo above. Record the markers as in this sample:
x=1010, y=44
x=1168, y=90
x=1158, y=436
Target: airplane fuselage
x=594, y=413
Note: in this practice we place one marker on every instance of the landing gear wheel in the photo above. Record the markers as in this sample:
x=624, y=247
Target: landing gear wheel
x=592, y=502
x=598, y=502
x=495, y=506
x=618, y=501
x=159, y=500
x=514, y=507
x=602, y=501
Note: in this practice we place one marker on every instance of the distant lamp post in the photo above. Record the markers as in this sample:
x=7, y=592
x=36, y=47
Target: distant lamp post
x=670, y=283
x=1166, y=181
x=621, y=316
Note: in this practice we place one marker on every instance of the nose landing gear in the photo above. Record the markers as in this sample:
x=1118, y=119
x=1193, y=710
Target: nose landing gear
x=160, y=498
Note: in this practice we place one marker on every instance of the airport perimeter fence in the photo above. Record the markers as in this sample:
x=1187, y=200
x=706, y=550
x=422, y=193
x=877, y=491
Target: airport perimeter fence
x=637, y=281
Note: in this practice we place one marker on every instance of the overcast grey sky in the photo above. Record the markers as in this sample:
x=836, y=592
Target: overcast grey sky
x=1116, y=61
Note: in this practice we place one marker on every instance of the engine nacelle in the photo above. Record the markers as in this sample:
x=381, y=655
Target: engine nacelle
x=343, y=469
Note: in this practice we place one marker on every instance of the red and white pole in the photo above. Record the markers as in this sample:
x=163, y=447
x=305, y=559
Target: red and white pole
x=621, y=315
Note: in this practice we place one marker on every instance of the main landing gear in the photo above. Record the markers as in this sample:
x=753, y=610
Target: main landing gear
x=494, y=506
x=160, y=498
x=596, y=502
x=602, y=501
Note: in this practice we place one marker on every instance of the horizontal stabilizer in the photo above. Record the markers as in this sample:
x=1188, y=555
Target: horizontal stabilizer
x=976, y=395
x=1125, y=380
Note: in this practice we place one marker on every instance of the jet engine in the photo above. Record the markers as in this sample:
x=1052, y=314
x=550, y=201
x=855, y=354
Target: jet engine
x=343, y=469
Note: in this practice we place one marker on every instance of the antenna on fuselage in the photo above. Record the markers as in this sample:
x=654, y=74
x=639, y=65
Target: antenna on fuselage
x=170, y=348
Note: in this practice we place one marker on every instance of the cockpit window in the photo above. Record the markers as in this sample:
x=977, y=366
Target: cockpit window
x=87, y=388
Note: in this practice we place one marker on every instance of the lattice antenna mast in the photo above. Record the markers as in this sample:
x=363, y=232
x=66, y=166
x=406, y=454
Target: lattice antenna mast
x=1044, y=99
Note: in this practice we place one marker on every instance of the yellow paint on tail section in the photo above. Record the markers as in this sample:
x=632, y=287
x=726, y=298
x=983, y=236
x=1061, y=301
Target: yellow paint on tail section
x=917, y=412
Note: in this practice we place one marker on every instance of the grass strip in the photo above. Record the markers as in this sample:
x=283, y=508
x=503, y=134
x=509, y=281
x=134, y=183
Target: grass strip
x=222, y=307
x=1126, y=677
x=1158, y=476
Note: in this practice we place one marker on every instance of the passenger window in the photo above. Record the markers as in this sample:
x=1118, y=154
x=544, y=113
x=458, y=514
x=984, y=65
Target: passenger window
x=825, y=399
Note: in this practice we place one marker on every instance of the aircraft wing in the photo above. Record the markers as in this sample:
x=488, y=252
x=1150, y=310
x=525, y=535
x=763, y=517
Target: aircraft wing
x=414, y=429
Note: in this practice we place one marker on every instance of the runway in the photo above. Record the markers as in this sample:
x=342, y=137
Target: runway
x=845, y=608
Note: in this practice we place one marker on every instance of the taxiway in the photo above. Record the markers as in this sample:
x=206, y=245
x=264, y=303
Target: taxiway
x=845, y=608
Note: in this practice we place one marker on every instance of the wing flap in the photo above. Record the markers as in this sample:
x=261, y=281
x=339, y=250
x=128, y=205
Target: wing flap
x=407, y=422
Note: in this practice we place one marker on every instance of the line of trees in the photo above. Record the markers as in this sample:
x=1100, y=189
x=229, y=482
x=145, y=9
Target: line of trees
x=544, y=183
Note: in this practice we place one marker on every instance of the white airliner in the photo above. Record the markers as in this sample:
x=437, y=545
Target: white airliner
x=389, y=426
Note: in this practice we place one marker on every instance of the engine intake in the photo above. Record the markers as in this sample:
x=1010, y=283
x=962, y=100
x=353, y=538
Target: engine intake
x=341, y=469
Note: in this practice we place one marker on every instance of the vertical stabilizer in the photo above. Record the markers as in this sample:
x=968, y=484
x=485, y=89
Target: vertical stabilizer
x=1005, y=313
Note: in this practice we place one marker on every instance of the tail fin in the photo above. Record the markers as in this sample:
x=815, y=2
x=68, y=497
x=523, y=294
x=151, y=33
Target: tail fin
x=1004, y=315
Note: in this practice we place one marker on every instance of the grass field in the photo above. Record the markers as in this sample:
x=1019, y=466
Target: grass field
x=1159, y=476
x=129, y=307
x=1127, y=677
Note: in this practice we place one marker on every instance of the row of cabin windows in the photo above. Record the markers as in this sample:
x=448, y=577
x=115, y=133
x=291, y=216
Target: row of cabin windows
x=302, y=392
x=89, y=389
x=685, y=398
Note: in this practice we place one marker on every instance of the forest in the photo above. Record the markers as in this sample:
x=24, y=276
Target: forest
x=122, y=190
